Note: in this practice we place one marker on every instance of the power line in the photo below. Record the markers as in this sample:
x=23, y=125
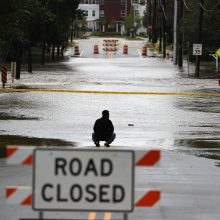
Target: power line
x=207, y=10
x=186, y=6
x=163, y=9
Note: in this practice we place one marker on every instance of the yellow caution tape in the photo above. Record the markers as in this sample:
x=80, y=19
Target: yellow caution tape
x=110, y=92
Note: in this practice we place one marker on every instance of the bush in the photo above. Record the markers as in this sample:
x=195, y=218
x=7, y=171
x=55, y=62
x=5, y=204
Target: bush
x=106, y=34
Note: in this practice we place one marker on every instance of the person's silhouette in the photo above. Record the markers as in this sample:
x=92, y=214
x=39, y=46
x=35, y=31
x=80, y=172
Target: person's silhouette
x=103, y=130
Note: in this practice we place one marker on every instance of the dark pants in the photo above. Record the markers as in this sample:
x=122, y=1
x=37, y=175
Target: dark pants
x=109, y=140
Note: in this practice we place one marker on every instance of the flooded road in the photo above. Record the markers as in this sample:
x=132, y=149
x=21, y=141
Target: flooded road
x=166, y=113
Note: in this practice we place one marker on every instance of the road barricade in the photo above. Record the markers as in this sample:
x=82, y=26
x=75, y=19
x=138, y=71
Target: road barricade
x=76, y=50
x=26, y=195
x=110, y=45
x=125, y=49
x=96, y=49
x=4, y=71
x=144, y=51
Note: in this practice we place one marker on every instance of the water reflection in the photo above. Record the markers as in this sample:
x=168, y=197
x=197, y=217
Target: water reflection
x=31, y=141
x=208, y=148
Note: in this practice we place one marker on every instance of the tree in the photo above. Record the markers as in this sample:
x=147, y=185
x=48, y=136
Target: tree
x=33, y=22
x=201, y=25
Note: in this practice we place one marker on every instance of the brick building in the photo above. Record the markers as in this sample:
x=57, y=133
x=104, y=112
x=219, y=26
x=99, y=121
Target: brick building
x=111, y=13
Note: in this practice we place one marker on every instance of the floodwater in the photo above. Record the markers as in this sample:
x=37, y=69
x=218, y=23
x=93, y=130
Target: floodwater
x=163, y=121
x=163, y=114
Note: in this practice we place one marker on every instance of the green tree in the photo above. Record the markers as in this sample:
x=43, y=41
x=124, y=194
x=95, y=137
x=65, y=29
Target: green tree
x=129, y=22
x=33, y=22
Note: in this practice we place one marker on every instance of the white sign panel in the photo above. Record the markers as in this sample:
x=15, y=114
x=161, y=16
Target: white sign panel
x=197, y=49
x=83, y=180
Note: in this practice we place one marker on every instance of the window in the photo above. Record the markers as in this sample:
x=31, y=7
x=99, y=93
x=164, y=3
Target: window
x=137, y=13
x=122, y=13
x=86, y=13
x=102, y=13
x=93, y=13
x=102, y=2
x=123, y=2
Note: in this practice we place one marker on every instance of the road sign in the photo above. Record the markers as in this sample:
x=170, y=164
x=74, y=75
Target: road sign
x=197, y=49
x=4, y=75
x=149, y=28
x=218, y=52
x=83, y=180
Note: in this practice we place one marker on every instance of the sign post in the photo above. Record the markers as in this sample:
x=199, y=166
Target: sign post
x=13, y=71
x=83, y=180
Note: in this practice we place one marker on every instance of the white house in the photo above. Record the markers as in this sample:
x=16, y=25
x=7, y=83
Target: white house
x=92, y=13
x=139, y=10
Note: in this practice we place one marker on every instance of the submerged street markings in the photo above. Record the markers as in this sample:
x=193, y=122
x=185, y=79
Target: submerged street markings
x=111, y=92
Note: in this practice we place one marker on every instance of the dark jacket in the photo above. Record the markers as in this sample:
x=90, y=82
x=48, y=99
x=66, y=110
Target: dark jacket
x=103, y=129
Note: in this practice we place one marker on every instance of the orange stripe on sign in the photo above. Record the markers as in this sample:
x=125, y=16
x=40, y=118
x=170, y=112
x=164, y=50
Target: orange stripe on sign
x=28, y=160
x=27, y=201
x=4, y=69
x=149, y=199
x=149, y=159
x=10, y=151
x=10, y=191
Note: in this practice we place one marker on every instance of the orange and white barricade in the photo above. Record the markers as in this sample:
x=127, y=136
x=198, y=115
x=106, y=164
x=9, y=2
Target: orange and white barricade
x=110, y=45
x=22, y=195
x=96, y=49
x=19, y=155
x=18, y=195
x=76, y=50
x=144, y=51
x=125, y=49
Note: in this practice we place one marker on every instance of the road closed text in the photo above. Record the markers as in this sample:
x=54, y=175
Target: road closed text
x=83, y=180
x=103, y=193
x=91, y=193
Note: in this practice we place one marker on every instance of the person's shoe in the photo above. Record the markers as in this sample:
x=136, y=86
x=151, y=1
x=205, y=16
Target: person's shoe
x=97, y=144
x=107, y=144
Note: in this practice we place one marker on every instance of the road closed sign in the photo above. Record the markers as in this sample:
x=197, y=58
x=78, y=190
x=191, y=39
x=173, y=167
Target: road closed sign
x=83, y=180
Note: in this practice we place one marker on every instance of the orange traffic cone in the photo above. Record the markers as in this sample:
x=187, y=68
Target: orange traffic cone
x=125, y=49
x=96, y=49
x=144, y=51
x=76, y=50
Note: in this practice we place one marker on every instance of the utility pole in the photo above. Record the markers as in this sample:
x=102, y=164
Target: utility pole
x=149, y=5
x=154, y=29
x=198, y=58
x=175, y=33
x=164, y=28
x=180, y=35
x=126, y=8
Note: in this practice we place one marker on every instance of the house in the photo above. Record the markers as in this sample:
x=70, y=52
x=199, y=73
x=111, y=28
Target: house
x=92, y=10
x=109, y=15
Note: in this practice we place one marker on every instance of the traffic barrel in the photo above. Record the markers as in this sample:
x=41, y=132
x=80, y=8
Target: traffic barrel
x=76, y=50
x=4, y=75
x=125, y=49
x=144, y=51
x=96, y=49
